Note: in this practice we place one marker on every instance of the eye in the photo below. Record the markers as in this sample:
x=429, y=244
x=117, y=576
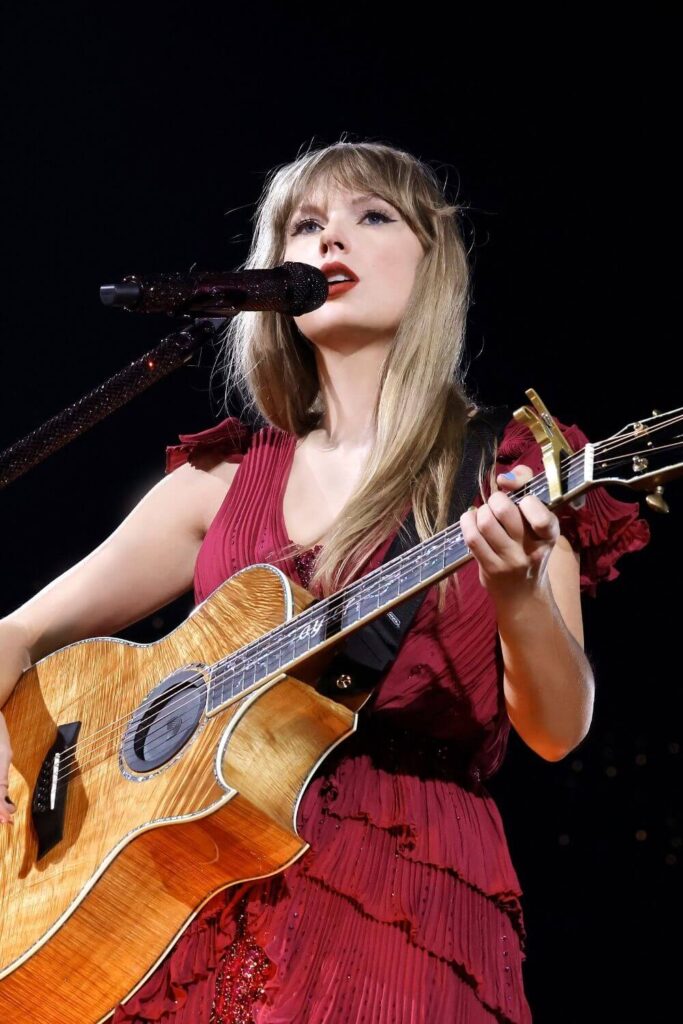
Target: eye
x=298, y=227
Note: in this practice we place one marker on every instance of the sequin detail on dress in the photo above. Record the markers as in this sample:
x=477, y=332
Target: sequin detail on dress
x=240, y=978
x=305, y=564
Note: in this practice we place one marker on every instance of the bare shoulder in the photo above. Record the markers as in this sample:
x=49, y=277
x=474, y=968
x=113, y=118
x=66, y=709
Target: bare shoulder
x=200, y=488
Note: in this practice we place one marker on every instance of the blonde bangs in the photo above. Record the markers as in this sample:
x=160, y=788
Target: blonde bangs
x=422, y=406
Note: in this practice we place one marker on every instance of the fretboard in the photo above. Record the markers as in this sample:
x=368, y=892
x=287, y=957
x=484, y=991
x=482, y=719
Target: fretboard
x=375, y=594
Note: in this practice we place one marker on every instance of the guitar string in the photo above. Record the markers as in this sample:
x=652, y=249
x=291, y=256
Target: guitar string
x=364, y=584
x=233, y=664
x=233, y=667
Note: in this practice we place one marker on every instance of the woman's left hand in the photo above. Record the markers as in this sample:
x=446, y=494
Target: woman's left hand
x=511, y=542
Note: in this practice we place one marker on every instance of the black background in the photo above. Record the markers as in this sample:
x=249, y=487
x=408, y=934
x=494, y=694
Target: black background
x=138, y=138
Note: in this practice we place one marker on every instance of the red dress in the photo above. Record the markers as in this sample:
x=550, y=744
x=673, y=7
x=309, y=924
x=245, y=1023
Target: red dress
x=406, y=908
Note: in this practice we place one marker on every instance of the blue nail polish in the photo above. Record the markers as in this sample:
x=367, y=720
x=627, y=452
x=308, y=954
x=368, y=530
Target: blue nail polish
x=509, y=476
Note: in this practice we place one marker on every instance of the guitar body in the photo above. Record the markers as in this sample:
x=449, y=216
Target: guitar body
x=147, y=779
x=83, y=922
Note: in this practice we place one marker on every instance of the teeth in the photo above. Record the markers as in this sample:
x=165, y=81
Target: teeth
x=337, y=279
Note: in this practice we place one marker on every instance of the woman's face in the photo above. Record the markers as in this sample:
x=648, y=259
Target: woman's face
x=369, y=236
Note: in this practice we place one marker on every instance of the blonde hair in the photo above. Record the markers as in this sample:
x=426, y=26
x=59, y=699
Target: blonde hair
x=422, y=405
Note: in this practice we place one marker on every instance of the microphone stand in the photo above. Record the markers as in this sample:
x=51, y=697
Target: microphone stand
x=172, y=352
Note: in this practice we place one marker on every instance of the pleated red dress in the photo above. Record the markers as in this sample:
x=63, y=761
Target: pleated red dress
x=406, y=908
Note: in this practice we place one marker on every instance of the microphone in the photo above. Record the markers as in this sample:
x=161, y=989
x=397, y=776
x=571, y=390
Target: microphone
x=292, y=289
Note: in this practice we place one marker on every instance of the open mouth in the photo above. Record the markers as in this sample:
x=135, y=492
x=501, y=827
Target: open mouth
x=339, y=288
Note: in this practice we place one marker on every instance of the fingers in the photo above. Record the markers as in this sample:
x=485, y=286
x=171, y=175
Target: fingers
x=487, y=538
x=505, y=532
x=510, y=481
x=7, y=806
x=497, y=522
x=541, y=522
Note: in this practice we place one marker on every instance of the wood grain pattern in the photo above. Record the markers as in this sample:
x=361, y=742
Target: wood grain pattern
x=138, y=858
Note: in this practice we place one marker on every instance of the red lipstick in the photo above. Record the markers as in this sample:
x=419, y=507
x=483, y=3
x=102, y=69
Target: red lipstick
x=336, y=269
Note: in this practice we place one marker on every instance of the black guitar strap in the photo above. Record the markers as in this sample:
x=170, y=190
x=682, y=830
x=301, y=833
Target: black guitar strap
x=367, y=653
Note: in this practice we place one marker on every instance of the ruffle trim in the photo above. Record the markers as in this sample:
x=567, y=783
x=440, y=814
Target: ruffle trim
x=487, y=979
x=179, y=997
x=397, y=901
x=230, y=439
x=602, y=529
x=438, y=822
x=380, y=866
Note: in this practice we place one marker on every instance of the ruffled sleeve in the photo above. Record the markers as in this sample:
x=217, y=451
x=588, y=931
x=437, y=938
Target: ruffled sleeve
x=227, y=441
x=602, y=529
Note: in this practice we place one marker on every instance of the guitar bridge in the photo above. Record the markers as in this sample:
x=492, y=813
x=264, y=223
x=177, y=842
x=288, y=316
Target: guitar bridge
x=49, y=796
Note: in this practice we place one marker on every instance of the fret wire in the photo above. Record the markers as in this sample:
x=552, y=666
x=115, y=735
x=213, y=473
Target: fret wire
x=422, y=554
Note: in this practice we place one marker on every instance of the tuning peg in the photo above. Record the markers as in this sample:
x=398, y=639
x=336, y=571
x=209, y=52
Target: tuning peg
x=656, y=500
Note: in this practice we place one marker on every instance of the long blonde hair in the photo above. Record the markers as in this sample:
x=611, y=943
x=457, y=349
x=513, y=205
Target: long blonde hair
x=422, y=405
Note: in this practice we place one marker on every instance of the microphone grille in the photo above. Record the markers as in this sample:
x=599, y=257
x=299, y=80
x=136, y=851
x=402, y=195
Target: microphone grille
x=307, y=288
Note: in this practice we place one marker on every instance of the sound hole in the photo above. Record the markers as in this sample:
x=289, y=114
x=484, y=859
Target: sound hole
x=166, y=720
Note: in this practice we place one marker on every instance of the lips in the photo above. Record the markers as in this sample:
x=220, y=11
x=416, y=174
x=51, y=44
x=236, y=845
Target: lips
x=339, y=289
x=334, y=269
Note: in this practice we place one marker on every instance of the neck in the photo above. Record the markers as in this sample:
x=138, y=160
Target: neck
x=349, y=383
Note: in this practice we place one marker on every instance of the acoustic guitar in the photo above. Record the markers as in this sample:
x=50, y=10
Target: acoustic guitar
x=149, y=777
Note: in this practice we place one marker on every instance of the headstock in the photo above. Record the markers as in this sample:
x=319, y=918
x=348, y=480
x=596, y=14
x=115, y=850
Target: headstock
x=643, y=455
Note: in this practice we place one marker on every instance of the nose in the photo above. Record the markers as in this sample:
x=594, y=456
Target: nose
x=332, y=238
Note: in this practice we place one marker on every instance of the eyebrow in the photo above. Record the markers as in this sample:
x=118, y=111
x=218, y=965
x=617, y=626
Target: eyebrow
x=312, y=208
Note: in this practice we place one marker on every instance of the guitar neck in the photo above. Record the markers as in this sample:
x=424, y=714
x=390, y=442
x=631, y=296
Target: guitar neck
x=327, y=621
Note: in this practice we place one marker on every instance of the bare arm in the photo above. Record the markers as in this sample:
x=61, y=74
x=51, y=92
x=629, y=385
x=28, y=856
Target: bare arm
x=548, y=681
x=145, y=563
x=142, y=566
x=533, y=576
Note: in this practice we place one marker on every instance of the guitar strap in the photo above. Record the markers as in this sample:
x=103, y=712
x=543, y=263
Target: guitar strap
x=367, y=653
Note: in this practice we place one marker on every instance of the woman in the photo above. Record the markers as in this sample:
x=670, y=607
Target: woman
x=406, y=907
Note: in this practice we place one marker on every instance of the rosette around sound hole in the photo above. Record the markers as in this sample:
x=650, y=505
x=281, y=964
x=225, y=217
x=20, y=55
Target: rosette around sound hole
x=166, y=720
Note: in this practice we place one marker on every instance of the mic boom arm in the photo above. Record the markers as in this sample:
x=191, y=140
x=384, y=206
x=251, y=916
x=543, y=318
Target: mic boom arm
x=173, y=351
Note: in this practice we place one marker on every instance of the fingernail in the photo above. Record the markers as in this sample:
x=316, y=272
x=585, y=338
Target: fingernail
x=509, y=476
